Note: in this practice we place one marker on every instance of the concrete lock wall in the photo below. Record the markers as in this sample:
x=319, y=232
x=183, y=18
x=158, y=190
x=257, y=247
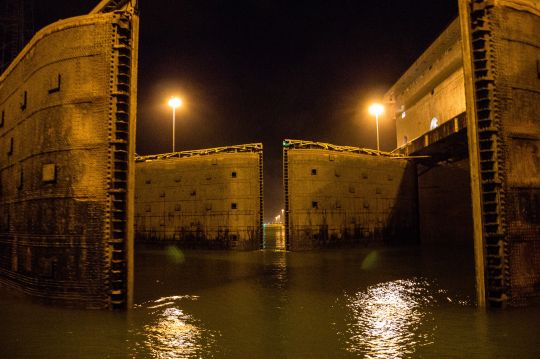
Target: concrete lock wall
x=336, y=195
x=208, y=198
x=506, y=53
x=432, y=90
x=65, y=147
x=494, y=53
x=444, y=202
x=518, y=33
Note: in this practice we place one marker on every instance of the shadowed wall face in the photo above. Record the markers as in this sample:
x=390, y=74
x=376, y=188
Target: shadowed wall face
x=444, y=200
x=213, y=200
x=336, y=198
x=64, y=157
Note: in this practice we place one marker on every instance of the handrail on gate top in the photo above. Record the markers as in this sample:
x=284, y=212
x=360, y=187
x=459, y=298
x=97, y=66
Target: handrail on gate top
x=303, y=144
x=250, y=147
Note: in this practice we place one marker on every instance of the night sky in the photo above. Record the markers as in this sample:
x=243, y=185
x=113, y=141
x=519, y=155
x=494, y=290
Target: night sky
x=263, y=71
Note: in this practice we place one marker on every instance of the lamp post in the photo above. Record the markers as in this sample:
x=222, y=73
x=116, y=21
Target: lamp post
x=174, y=102
x=376, y=109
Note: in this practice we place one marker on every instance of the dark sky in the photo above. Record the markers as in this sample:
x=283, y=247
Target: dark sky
x=262, y=70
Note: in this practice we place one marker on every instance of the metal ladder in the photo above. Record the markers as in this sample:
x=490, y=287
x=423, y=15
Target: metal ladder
x=119, y=148
x=491, y=149
x=286, y=192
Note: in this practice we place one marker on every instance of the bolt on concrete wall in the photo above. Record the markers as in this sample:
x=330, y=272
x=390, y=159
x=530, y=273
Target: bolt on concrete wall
x=209, y=198
x=335, y=197
x=64, y=161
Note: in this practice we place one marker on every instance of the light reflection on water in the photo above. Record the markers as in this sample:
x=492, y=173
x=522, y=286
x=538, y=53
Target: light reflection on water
x=335, y=304
x=275, y=270
x=173, y=333
x=390, y=319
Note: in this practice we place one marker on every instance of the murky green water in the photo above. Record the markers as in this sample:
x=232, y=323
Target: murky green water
x=375, y=303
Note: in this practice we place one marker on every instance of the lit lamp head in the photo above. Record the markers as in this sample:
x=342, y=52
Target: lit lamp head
x=376, y=109
x=175, y=102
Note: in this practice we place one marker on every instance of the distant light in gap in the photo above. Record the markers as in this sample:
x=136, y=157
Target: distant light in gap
x=403, y=114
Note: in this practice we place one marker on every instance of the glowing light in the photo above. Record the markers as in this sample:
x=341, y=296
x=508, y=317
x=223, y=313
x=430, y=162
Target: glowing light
x=370, y=261
x=173, y=333
x=175, y=102
x=175, y=254
x=387, y=319
x=376, y=109
x=434, y=123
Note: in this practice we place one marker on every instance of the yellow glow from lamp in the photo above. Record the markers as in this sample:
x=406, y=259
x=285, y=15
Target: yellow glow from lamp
x=376, y=109
x=175, y=102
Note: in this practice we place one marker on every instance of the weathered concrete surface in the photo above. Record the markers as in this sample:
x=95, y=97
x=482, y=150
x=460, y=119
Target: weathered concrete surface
x=505, y=57
x=207, y=198
x=500, y=81
x=336, y=195
x=66, y=141
x=432, y=89
x=444, y=201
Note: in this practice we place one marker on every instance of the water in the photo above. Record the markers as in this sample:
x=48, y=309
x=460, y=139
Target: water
x=365, y=302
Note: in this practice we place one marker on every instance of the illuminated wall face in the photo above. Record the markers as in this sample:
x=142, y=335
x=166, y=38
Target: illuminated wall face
x=432, y=91
x=444, y=102
x=335, y=197
x=505, y=150
x=202, y=201
x=65, y=144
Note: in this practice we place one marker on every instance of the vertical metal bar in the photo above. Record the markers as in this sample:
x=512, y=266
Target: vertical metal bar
x=130, y=247
x=474, y=157
x=286, y=196
x=261, y=199
x=377, y=120
x=173, y=127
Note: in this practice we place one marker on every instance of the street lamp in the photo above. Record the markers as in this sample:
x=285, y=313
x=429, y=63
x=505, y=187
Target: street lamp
x=174, y=102
x=376, y=109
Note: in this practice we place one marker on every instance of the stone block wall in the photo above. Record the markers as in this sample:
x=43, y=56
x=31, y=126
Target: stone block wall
x=334, y=197
x=65, y=148
x=208, y=198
